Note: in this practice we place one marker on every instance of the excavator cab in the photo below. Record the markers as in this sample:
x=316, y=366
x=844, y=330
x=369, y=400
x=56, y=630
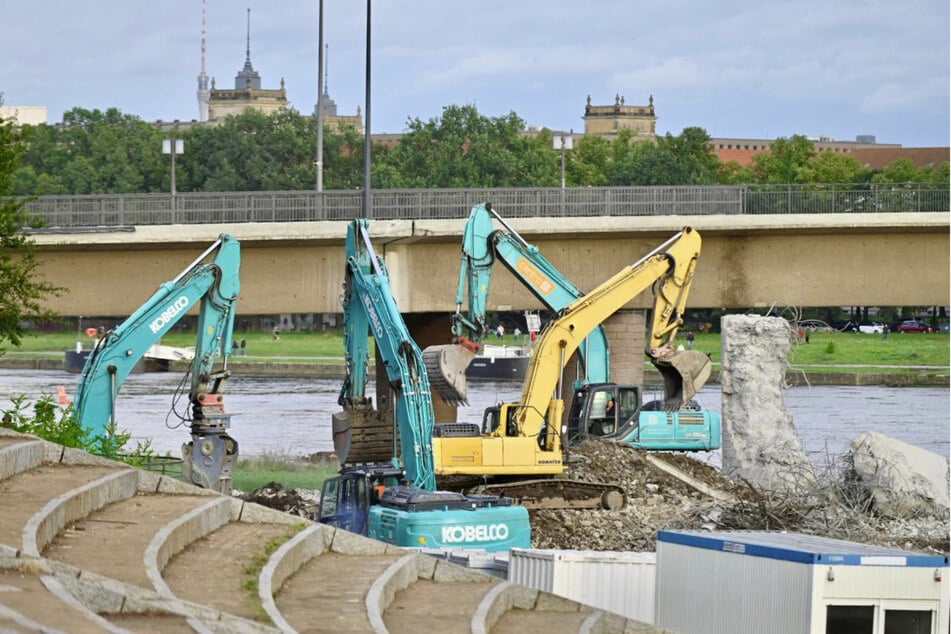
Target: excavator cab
x=345, y=500
x=601, y=410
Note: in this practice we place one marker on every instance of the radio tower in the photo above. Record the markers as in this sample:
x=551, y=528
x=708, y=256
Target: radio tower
x=203, y=92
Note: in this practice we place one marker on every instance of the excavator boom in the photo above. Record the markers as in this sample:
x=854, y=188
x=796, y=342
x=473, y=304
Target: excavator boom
x=374, y=499
x=482, y=246
x=671, y=266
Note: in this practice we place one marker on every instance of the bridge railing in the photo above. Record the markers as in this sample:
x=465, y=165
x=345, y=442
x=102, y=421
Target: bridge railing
x=295, y=206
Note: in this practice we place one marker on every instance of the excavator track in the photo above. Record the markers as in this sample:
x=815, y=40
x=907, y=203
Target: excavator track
x=559, y=493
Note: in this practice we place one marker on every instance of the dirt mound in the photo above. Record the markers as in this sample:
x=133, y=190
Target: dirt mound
x=295, y=501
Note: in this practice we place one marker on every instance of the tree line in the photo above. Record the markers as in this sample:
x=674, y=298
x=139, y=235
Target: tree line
x=96, y=152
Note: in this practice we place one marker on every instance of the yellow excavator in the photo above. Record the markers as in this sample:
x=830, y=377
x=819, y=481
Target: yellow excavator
x=529, y=438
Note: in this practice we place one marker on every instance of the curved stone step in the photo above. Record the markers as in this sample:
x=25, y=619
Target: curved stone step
x=135, y=608
x=74, y=505
x=19, y=453
x=328, y=593
x=451, y=604
x=27, y=605
x=26, y=494
x=94, y=542
x=214, y=569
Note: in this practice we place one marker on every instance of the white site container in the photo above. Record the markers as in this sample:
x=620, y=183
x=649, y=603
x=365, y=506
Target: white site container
x=618, y=582
x=764, y=581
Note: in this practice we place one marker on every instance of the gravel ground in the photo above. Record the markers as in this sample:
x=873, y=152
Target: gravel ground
x=658, y=501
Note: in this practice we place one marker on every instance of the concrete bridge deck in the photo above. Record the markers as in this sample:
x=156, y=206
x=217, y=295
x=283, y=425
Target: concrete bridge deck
x=887, y=259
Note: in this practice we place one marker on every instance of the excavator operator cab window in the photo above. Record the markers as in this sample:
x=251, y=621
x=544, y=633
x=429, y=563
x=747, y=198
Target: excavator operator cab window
x=602, y=414
x=490, y=420
x=628, y=402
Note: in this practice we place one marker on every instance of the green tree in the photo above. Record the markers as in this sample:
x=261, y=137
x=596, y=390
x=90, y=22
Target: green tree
x=587, y=163
x=905, y=171
x=830, y=167
x=463, y=148
x=92, y=152
x=252, y=151
x=784, y=160
x=684, y=159
x=22, y=290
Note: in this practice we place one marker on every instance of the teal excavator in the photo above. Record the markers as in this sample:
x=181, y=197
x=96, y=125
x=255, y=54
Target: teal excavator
x=482, y=246
x=397, y=502
x=211, y=283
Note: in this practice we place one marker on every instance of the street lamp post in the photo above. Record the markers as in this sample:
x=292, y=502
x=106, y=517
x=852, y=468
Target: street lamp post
x=173, y=147
x=320, y=98
x=563, y=142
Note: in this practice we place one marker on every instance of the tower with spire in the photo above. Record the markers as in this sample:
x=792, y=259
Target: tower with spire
x=247, y=93
x=329, y=106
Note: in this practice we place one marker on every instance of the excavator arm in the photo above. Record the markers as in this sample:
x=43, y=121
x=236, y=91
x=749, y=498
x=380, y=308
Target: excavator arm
x=482, y=246
x=213, y=286
x=670, y=269
x=369, y=307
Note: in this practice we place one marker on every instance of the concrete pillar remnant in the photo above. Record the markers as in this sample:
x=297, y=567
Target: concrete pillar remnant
x=760, y=442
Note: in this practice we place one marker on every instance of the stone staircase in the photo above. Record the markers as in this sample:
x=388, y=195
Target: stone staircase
x=89, y=545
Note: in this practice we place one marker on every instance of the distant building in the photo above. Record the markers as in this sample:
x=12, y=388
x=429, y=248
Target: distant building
x=743, y=150
x=25, y=115
x=879, y=157
x=329, y=112
x=608, y=121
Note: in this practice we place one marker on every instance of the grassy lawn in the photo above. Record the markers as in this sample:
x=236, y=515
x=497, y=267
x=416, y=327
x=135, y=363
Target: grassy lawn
x=828, y=350
x=290, y=346
x=841, y=350
x=292, y=473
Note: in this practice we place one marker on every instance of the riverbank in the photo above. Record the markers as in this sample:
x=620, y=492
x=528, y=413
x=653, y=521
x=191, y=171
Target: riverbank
x=865, y=375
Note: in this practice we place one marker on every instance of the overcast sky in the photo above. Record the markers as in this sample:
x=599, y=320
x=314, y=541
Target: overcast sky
x=835, y=68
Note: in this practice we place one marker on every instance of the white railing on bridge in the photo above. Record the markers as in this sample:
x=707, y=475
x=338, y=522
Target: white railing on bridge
x=118, y=210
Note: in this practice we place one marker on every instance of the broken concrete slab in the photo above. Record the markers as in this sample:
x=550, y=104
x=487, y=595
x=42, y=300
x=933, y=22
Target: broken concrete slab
x=901, y=480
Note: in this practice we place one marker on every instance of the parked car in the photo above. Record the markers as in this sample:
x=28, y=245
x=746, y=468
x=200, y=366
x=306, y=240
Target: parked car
x=871, y=328
x=815, y=325
x=844, y=325
x=913, y=325
x=944, y=328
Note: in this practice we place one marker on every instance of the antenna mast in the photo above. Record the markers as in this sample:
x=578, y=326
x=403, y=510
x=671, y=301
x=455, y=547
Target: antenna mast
x=203, y=93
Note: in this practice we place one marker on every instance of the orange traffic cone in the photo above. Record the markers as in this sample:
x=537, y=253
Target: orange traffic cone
x=63, y=397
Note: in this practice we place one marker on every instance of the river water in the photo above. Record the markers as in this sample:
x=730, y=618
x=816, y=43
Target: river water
x=290, y=417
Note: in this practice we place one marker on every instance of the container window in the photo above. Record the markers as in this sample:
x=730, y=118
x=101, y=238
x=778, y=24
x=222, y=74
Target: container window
x=907, y=622
x=850, y=619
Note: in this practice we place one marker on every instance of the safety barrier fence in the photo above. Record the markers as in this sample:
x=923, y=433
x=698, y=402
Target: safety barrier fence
x=117, y=210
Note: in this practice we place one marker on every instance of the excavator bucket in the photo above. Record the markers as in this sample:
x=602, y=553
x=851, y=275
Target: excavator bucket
x=684, y=374
x=446, y=365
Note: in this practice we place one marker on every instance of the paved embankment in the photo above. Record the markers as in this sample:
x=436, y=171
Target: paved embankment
x=90, y=545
